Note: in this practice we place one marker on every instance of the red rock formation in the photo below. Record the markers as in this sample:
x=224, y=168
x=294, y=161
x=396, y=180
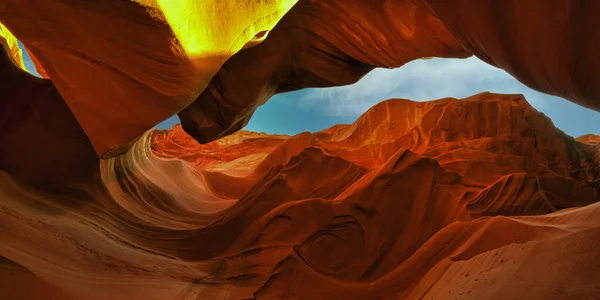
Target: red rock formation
x=124, y=66
x=41, y=142
x=444, y=199
x=589, y=139
x=550, y=46
x=401, y=220
x=317, y=44
x=38, y=66
x=478, y=198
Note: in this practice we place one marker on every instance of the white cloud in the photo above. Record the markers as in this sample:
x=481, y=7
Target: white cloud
x=419, y=80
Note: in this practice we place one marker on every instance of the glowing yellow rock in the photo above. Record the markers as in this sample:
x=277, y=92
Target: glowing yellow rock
x=221, y=28
x=124, y=66
x=13, y=46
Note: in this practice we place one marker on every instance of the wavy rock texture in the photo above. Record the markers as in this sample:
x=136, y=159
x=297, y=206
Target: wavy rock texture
x=158, y=67
x=34, y=117
x=479, y=198
x=550, y=46
x=124, y=66
x=316, y=44
x=415, y=200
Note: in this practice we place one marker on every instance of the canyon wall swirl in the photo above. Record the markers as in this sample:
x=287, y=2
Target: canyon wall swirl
x=440, y=200
x=478, y=198
x=550, y=46
x=124, y=66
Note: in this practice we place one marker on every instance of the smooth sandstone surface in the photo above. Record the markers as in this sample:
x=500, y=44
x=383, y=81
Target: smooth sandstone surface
x=475, y=198
x=124, y=82
x=550, y=46
x=122, y=66
x=316, y=44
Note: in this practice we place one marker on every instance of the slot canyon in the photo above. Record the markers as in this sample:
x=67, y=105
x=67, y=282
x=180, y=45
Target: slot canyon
x=476, y=197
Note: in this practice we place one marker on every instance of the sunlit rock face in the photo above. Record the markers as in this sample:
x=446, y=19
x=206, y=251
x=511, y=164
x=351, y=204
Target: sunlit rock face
x=250, y=50
x=476, y=198
x=317, y=44
x=550, y=46
x=124, y=66
x=448, y=198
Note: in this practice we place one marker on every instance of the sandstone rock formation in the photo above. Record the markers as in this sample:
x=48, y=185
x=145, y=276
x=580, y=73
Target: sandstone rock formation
x=467, y=199
x=317, y=44
x=550, y=46
x=158, y=65
x=124, y=66
x=478, y=198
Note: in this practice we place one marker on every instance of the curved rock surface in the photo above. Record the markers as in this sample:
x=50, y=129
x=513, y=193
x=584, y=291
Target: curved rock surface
x=316, y=44
x=468, y=199
x=478, y=198
x=41, y=142
x=158, y=67
x=550, y=46
x=124, y=66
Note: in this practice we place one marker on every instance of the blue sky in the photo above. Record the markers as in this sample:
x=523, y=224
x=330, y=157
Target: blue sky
x=421, y=80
